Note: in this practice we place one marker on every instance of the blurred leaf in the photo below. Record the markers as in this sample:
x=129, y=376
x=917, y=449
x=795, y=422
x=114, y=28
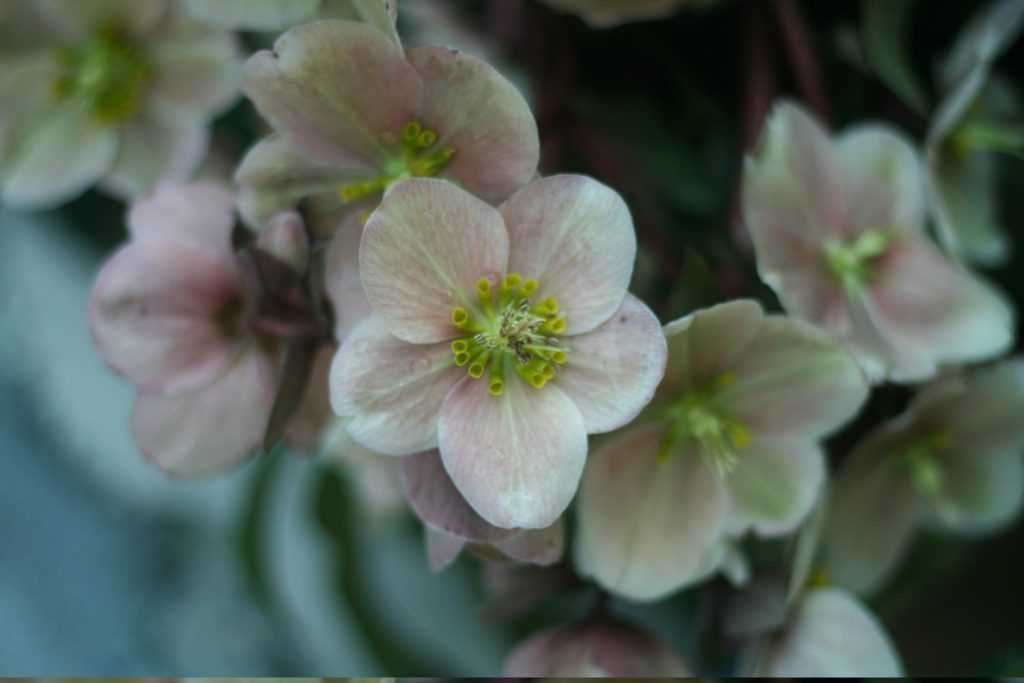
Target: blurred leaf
x=252, y=528
x=884, y=24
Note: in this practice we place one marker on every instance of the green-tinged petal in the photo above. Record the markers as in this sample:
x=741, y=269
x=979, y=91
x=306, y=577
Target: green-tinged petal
x=986, y=36
x=252, y=15
x=645, y=526
x=25, y=92
x=151, y=152
x=56, y=158
x=775, y=483
x=965, y=208
x=981, y=492
x=196, y=75
x=985, y=418
x=80, y=18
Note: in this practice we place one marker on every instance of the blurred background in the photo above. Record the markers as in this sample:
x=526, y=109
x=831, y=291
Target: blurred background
x=279, y=568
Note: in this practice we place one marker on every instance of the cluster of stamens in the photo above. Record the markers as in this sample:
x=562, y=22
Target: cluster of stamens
x=699, y=417
x=109, y=72
x=507, y=333
x=923, y=462
x=418, y=155
x=852, y=262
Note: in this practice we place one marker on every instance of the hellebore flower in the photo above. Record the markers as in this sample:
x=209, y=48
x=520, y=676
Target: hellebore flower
x=170, y=312
x=353, y=114
x=978, y=116
x=602, y=648
x=952, y=462
x=452, y=524
x=609, y=13
x=731, y=444
x=500, y=336
x=838, y=231
x=119, y=93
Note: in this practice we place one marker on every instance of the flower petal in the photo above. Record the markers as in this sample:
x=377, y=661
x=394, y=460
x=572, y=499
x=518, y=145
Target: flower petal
x=251, y=15
x=339, y=89
x=575, y=236
x=937, y=307
x=480, y=115
x=151, y=151
x=646, y=528
x=831, y=634
x=442, y=548
x=197, y=213
x=435, y=500
x=705, y=344
x=981, y=493
x=986, y=417
x=614, y=370
x=795, y=380
x=775, y=483
x=213, y=428
x=391, y=389
x=542, y=547
x=56, y=158
x=196, y=75
x=342, y=281
x=517, y=458
x=156, y=313
x=77, y=19
x=423, y=251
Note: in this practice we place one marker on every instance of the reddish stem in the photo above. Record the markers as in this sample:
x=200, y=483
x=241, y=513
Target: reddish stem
x=799, y=48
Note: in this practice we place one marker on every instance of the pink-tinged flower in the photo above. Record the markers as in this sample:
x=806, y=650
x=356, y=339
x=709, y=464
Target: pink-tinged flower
x=979, y=115
x=594, y=649
x=353, y=114
x=609, y=13
x=170, y=312
x=452, y=524
x=838, y=230
x=731, y=445
x=115, y=93
x=951, y=462
x=276, y=15
x=500, y=336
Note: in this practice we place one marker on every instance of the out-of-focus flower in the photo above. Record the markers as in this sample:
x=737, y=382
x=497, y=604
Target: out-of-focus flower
x=609, y=13
x=353, y=114
x=119, y=93
x=978, y=115
x=376, y=480
x=732, y=444
x=275, y=15
x=500, y=336
x=596, y=648
x=952, y=461
x=452, y=524
x=838, y=230
x=171, y=312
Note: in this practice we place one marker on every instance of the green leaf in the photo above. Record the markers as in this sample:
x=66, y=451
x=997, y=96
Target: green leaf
x=884, y=26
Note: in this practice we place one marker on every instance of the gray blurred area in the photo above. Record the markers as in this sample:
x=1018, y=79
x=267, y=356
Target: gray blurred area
x=107, y=567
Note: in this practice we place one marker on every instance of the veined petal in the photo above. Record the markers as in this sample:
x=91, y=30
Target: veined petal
x=480, y=115
x=57, y=157
x=775, y=483
x=831, y=634
x=423, y=251
x=392, y=390
x=937, y=307
x=200, y=213
x=575, y=236
x=794, y=380
x=252, y=15
x=341, y=279
x=435, y=500
x=516, y=458
x=196, y=75
x=645, y=528
x=213, y=428
x=339, y=89
x=151, y=151
x=159, y=314
x=615, y=369
x=705, y=343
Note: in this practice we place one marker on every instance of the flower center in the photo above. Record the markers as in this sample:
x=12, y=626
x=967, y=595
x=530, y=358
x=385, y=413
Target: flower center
x=508, y=334
x=852, y=262
x=924, y=465
x=108, y=72
x=417, y=155
x=698, y=416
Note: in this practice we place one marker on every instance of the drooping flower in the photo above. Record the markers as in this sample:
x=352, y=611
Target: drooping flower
x=602, y=648
x=838, y=230
x=951, y=462
x=500, y=336
x=732, y=444
x=171, y=312
x=609, y=13
x=979, y=115
x=115, y=93
x=353, y=114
